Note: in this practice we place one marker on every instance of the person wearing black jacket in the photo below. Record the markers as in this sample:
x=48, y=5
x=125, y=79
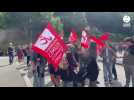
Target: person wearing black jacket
x=54, y=75
x=129, y=63
x=39, y=64
x=11, y=53
x=92, y=69
x=67, y=72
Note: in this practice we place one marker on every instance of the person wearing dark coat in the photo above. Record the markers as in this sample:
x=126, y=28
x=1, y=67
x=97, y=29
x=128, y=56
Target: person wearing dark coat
x=92, y=69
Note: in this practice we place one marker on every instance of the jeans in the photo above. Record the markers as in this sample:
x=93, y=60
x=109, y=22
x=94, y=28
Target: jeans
x=11, y=59
x=114, y=71
x=35, y=79
x=129, y=74
x=25, y=59
x=67, y=84
x=107, y=69
x=38, y=81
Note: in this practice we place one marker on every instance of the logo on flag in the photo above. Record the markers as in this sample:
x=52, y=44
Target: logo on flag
x=50, y=45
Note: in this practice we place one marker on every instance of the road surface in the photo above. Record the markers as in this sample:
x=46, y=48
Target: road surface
x=9, y=76
x=16, y=75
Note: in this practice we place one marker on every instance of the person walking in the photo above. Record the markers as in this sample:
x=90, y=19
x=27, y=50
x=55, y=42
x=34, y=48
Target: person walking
x=128, y=62
x=11, y=53
x=114, y=72
x=54, y=75
x=24, y=47
x=107, y=55
x=67, y=70
x=28, y=54
x=38, y=64
x=20, y=54
x=92, y=69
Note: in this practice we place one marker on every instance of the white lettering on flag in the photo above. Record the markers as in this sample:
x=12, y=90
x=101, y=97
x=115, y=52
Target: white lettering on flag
x=45, y=40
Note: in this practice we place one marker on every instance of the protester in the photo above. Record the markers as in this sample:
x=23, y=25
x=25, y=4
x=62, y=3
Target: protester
x=74, y=61
x=78, y=77
x=25, y=53
x=11, y=53
x=107, y=55
x=92, y=69
x=67, y=70
x=20, y=54
x=38, y=64
x=55, y=75
x=84, y=59
x=1, y=52
x=128, y=62
x=114, y=63
x=28, y=54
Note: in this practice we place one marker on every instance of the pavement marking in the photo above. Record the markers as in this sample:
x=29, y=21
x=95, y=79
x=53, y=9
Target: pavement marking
x=28, y=82
x=26, y=79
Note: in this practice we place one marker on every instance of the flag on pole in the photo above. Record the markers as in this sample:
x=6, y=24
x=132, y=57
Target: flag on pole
x=73, y=36
x=50, y=45
x=99, y=44
x=84, y=39
x=104, y=36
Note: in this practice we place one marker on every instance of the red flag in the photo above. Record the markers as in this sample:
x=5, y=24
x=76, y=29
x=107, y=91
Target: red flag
x=50, y=45
x=99, y=44
x=84, y=39
x=73, y=36
x=98, y=41
x=104, y=36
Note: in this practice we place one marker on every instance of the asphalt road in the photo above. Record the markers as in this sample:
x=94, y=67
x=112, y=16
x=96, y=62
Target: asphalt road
x=9, y=76
x=16, y=75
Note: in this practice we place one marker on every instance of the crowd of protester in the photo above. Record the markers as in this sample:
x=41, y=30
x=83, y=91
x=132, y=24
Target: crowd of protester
x=79, y=67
